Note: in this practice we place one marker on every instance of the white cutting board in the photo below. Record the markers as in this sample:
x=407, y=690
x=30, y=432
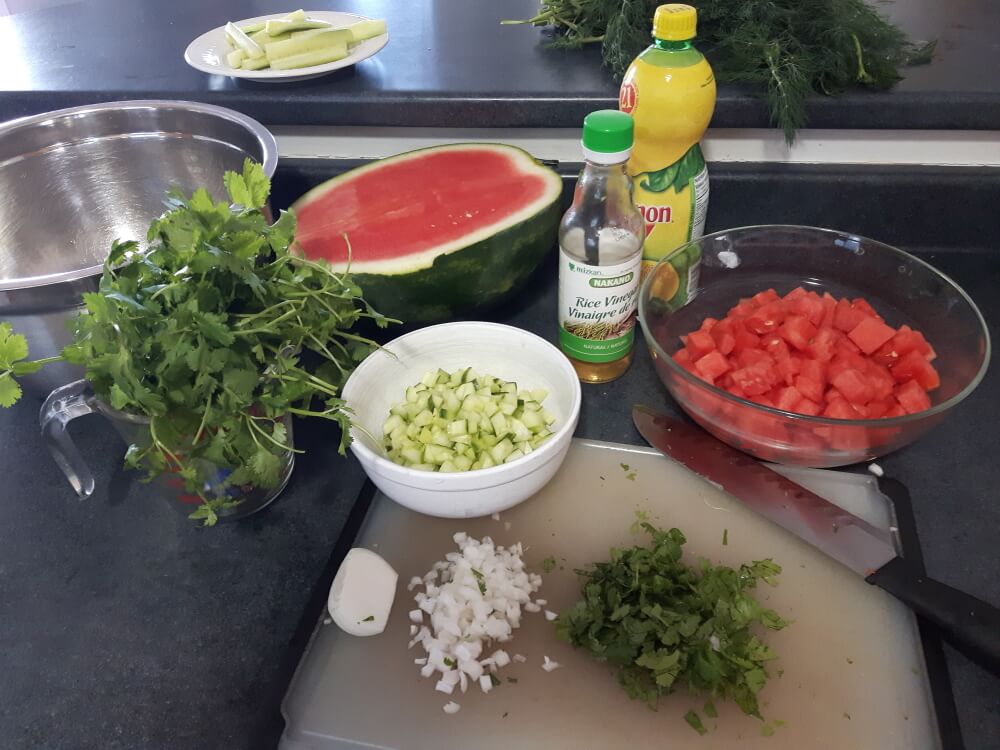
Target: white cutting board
x=853, y=674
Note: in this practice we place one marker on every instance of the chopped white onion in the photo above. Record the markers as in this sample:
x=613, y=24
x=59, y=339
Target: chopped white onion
x=550, y=615
x=444, y=687
x=520, y=658
x=875, y=469
x=496, y=516
x=506, y=525
x=451, y=707
x=475, y=597
x=414, y=582
x=548, y=665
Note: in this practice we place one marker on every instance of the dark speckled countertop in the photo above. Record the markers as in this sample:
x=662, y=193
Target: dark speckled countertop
x=450, y=64
x=123, y=626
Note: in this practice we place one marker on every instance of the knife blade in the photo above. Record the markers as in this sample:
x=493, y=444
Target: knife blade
x=969, y=624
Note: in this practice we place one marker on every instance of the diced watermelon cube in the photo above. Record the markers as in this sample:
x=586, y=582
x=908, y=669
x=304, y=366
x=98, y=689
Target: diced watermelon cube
x=810, y=306
x=814, y=370
x=787, y=398
x=797, y=331
x=749, y=357
x=808, y=407
x=699, y=344
x=829, y=308
x=774, y=345
x=795, y=294
x=754, y=380
x=744, y=339
x=912, y=397
x=881, y=380
x=766, y=318
x=724, y=340
x=763, y=298
x=854, y=385
x=844, y=344
x=823, y=345
x=708, y=324
x=809, y=388
x=789, y=368
x=743, y=309
x=861, y=305
x=840, y=410
x=846, y=317
x=914, y=366
x=870, y=334
x=712, y=365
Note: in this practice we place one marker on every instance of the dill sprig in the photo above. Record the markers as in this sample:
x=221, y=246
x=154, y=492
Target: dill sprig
x=789, y=49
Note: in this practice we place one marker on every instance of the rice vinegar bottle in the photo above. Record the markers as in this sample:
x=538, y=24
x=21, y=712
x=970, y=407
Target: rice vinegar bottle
x=600, y=253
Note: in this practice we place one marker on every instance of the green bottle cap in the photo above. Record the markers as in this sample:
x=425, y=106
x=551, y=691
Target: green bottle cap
x=607, y=136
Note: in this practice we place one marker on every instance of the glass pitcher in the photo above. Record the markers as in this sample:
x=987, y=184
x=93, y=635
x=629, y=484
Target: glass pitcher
x=78, y=399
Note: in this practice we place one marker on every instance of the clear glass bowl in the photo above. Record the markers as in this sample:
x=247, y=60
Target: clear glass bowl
x=903, y=289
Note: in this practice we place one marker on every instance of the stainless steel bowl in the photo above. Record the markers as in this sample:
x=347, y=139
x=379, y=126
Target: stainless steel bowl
x=76, y=179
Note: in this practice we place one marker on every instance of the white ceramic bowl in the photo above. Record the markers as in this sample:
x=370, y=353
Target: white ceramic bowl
x=489, y=348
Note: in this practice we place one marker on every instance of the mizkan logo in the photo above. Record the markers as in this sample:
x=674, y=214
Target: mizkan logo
x=655, y=215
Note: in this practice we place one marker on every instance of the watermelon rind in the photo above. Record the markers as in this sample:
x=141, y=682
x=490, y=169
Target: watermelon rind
x=474, y=271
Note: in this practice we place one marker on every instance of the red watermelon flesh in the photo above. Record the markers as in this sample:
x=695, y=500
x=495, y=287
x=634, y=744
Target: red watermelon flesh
x=436, y=232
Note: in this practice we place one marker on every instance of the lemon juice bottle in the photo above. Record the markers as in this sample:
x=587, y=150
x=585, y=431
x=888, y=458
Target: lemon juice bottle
x=669, y=90
x=600, y=248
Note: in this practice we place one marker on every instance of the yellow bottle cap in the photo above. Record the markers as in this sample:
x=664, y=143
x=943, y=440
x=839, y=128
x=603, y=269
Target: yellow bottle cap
x=675, y=22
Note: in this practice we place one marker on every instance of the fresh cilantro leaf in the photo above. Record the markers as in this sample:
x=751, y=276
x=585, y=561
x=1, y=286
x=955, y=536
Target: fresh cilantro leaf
x=694, y=721
x=494, y=680
x=710, y=710
x=548, y=564
x=266, y=467
x=13, y=346
x=10, y=391
x=370, y=618
x=725, y=537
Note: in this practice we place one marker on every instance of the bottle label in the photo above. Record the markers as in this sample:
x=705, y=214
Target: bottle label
x=597, y=308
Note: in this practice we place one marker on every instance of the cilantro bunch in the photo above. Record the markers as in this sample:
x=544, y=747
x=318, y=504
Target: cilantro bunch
x=217, y=332
x=665, y=624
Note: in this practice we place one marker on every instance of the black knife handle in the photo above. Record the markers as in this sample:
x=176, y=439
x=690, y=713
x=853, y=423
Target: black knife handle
x=969, y=624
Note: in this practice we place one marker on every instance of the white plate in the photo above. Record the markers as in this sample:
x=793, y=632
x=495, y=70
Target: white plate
x=207, y=53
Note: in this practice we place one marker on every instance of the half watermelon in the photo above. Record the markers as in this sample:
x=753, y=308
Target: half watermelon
x=435, y=232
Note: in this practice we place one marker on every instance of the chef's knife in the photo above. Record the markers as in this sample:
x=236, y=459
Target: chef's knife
x=969, y=624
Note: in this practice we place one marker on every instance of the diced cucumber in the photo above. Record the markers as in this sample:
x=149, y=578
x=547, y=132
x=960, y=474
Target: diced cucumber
x=501, y=450
x=514, y=456
x=463, y=421
x=297, y=15
x=252, y=28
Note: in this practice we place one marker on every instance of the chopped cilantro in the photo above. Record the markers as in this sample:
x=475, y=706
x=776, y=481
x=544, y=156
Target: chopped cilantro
x=494, y=680
x=370, y=618
x=710, y=710
x=725, y=537
x=548, y=564
x=481, y=580
x=625, y=467
x=666, y=625
x=449, y=662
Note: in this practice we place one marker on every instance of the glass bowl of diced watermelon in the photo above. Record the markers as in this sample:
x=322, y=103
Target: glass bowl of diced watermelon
x=809, y=346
